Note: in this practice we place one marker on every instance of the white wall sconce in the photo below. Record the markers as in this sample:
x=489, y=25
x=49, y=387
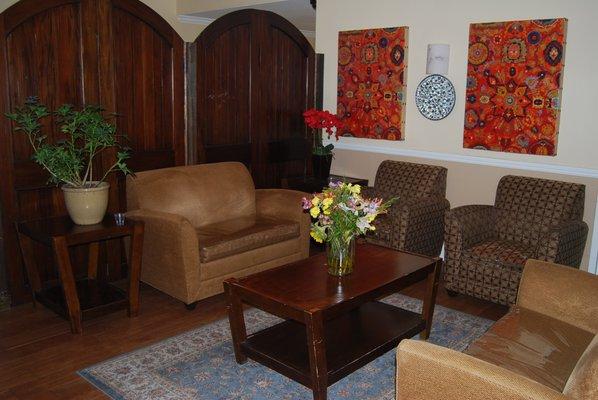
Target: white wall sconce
x=438, y=59
x=435, y=95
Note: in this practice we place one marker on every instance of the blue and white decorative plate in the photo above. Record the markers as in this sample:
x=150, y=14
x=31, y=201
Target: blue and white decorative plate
x=435, y=97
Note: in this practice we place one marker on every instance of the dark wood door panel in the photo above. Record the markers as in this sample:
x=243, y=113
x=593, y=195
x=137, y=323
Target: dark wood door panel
x=117, y=53
x=254, y=80
x=224, y=87
x=148, y=76
x=33, y=49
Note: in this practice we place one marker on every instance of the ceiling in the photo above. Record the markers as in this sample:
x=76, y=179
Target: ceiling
x=299, y=12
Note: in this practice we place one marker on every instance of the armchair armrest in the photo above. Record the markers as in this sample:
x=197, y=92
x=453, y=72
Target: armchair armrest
x=427, y=371
x=170, y=253
x=468, y=225
x=419, y=223
x=285, y=204
x=561, y=292
x=564, y=243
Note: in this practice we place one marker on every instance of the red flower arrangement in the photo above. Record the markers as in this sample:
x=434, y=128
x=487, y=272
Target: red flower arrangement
x=320, y=119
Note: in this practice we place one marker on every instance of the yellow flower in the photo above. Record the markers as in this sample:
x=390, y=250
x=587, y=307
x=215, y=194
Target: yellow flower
x=315, y=201
x=327, y=211
x=314, y=212
x=316, y=236
x=355, y=189
x=327, y=202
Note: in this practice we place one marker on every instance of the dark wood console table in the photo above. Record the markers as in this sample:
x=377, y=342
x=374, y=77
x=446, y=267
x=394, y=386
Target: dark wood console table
x=74, y=299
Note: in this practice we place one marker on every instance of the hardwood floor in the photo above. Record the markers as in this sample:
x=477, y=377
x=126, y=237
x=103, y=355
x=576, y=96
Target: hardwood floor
x=39, y=356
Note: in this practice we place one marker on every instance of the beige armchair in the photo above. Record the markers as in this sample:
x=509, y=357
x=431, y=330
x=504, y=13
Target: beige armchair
x=206, y=223
x=545, y=348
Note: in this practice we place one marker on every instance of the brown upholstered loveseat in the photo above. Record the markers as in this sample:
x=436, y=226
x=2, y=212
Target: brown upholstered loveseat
x=206, y=223
x=415, y=222
x=545, y=348
x=486, y=246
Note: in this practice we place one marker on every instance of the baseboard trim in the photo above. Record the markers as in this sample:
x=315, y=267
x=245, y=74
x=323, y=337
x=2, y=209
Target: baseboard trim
x=475, y=160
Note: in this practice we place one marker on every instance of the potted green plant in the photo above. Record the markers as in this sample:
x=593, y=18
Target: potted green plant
x=70, y=161
x=322, y=155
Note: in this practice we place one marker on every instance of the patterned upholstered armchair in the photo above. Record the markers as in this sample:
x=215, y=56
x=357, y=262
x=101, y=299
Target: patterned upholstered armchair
x=487, y=246
x=416, y=221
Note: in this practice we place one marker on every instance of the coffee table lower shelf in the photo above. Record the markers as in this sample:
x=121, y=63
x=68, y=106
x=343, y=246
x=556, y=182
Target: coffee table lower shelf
x=352, y=340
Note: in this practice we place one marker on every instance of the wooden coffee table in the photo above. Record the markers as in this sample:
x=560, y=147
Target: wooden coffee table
x=333, y=326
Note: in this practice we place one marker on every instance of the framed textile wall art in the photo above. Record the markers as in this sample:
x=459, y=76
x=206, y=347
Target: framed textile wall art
x=514, y=82
x=372, y=69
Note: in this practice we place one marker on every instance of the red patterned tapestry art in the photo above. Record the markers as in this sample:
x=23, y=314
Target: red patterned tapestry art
x=372, y=68
x=514, y=77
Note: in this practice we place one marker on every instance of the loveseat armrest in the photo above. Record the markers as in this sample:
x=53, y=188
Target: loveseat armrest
x=427, y=371
x=170, y=254
x=466, y=226
x=564, y=243
x=285, y=204
x=560, y=292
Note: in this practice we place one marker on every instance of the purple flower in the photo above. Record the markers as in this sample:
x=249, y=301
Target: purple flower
x=305, y=203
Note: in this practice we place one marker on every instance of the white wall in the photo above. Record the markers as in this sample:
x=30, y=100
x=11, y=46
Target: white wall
x=472, y=174
x=438, y=21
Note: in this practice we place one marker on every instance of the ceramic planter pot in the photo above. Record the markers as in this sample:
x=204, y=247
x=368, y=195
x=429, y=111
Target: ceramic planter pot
x=86, y=206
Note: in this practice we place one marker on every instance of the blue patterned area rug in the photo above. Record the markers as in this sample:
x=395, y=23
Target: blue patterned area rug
x=200, y=364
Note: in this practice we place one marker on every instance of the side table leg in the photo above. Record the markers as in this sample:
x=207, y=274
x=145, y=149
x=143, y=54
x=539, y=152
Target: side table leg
x=27, y=252
x=236, y=320
x=136, y=252
x=65, y=269
x=430, y=299
x=316, y=345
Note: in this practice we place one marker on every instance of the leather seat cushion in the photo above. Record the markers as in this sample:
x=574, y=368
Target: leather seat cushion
x=534, y=345
x=239, y=235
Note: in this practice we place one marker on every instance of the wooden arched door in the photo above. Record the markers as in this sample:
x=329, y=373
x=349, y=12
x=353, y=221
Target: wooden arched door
x=255, y=74
x=116, y=53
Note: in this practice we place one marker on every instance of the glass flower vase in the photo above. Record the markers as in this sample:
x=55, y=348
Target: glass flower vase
x=340, y=257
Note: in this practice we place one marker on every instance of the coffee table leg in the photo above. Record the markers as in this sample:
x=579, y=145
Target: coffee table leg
x=236, y=320
x=65, y=269
x=430, y=299
x=316, y=345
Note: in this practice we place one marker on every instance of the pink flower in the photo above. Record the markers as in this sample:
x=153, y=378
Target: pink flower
x=305, y=203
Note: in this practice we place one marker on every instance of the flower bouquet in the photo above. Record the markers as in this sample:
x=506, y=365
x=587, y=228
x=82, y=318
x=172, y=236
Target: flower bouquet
x=340, y=215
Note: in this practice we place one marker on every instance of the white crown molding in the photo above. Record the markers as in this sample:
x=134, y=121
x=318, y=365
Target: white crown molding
x=475, y=160
x=193, y=19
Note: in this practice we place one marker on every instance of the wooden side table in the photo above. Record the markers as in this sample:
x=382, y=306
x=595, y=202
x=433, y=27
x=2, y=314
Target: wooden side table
x=74, y=299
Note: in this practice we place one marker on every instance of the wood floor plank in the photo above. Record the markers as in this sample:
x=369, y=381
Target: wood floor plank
x=39, y=357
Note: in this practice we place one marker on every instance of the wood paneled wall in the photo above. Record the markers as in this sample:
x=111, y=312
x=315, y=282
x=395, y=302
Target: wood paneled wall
x=116, y=53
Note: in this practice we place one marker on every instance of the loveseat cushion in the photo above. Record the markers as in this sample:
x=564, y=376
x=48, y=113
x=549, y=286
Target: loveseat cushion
x=539, y=347
x=239, y=235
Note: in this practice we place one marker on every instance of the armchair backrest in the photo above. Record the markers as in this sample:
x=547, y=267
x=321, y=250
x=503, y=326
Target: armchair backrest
x=411, y=180
x=204, y=193
x=528, y=206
